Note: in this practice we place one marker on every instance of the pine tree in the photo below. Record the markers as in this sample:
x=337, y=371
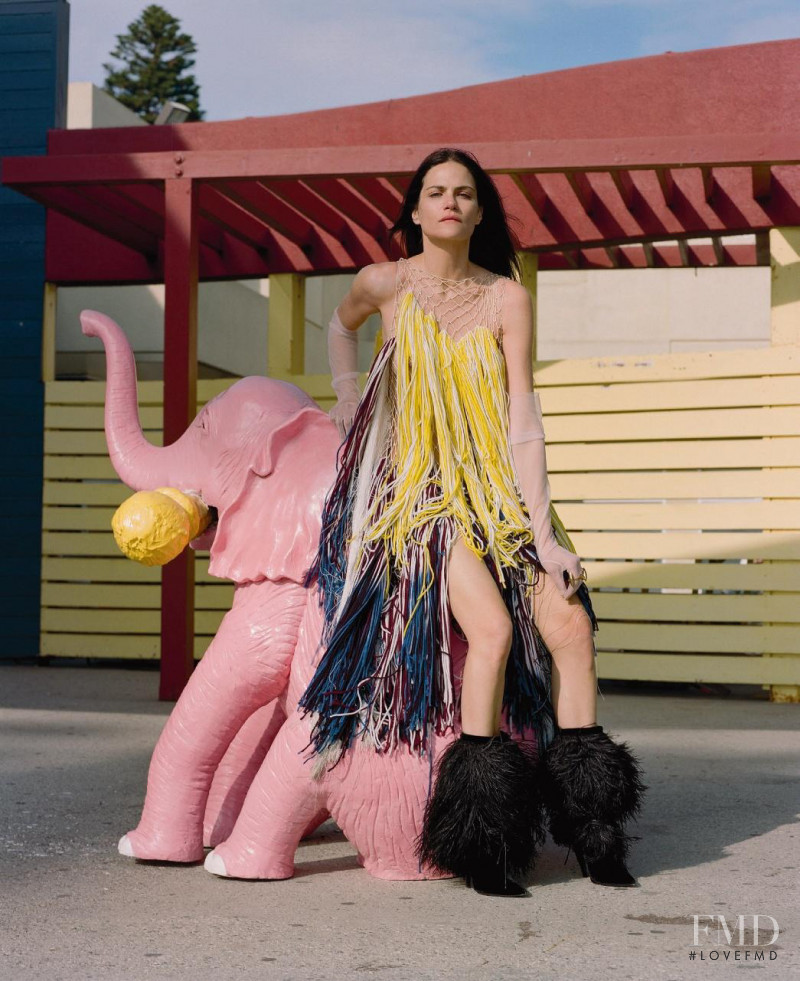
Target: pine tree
x=155, y=57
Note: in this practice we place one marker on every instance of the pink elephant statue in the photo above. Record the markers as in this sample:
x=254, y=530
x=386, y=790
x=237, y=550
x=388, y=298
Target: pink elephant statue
x=263, y=454
x=376, y=799
x=231, y=768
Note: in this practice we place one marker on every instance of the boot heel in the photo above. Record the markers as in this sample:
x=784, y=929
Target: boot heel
x=582, y=863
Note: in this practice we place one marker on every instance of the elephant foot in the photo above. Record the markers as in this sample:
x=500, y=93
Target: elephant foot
x=133, y=845
x=231, y=868
x=215, y=865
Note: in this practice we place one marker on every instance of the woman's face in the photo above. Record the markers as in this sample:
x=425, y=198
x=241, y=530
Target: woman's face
x=448, y=203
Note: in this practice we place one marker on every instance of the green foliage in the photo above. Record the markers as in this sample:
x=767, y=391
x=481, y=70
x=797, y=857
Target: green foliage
x=155, y=58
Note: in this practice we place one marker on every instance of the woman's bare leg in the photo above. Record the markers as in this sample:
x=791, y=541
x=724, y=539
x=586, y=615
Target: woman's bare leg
x=567, y=631
x=478, y=606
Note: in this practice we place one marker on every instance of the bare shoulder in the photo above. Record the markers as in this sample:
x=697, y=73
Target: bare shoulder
x=517, y=305
x=376, y=282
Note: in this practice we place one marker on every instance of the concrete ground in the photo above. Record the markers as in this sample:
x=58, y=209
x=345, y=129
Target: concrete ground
x=718, y=836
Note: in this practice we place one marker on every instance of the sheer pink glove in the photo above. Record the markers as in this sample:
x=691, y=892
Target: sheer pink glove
x=343, y=360
x=526, y=435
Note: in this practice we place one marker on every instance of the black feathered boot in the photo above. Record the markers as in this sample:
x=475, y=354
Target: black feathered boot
x=591, y=787
x=484, y=819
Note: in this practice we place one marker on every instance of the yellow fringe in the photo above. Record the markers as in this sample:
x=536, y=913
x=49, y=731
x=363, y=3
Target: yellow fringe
x=451, y=432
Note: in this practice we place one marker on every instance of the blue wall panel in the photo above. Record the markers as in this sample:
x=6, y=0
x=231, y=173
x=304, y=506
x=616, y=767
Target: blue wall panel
x=34, y=37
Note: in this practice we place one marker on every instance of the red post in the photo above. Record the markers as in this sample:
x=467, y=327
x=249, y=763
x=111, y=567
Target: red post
x=180, y=406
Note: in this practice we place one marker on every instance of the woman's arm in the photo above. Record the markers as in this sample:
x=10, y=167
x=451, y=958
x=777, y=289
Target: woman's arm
x=526, y=436
x=367, y=294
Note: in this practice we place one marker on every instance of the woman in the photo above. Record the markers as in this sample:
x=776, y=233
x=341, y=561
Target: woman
x=440, y=509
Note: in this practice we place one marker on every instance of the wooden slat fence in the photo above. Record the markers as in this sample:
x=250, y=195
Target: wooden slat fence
x=678, y=477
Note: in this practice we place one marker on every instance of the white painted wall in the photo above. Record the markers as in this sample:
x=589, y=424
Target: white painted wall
x=90, y=107
x=231, y=323
x=651, y=311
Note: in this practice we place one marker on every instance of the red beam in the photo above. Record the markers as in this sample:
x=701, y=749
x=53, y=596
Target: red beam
x=761, y=176
x=321, y=249
x=76, y=204
x=525, y=223
x=215, y=207
x=181, y=249
x=522, y=156
x=358, y=244
x=609, y=211
x=626, y=188
x=345, y=199
x=667, y=255
x=79, y=255
x=581, y=188
x=385, y=198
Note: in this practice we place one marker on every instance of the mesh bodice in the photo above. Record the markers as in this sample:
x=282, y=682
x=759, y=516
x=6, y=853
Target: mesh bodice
x=458, y=306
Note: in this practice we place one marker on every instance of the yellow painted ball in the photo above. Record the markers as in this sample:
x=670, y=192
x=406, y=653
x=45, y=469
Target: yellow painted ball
x=151, y=527
x=192, y=504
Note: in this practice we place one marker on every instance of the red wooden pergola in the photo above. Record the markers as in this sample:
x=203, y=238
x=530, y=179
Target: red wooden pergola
x=620, y=165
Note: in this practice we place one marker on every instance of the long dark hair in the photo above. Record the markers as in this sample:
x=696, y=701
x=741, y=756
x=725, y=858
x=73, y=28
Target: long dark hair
x=493, y=245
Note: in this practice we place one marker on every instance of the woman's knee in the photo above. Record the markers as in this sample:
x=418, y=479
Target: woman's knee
x=575, y=640
x=491, y=641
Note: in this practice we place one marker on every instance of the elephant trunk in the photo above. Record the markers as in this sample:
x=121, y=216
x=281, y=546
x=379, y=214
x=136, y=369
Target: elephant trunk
x=138, y=463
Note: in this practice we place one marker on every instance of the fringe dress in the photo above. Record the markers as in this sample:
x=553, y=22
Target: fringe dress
x=426, y=459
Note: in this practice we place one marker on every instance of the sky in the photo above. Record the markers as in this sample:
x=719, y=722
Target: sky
x=261, y=57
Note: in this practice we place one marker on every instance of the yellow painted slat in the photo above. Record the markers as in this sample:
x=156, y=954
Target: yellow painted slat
x=78, y=468
x=688, y=545
x=119, y=569
x=676, y=484
x=680, y=424
x=702, y=637
x=591, y=545
x=700, y=394
x=91, y=621
x=317, y=386
x=62, y=442
x=149, y=392
x=622, y=516
x=100, y=646
x=99, y=543
x=129, y=596
x=779, y=576
x=90, y=417
x=94, y=392
x=678, y=515
x=613, y=635
x=630, y=368
x=122, y=645
x=608, y=486
x=678, y=455
x=769, y=608
x=64, y=473
x=669, y=367
x=77, y=519
x=569, y=401
x=721, y=669
x=85, y=492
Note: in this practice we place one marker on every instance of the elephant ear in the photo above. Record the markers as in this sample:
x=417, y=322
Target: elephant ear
x=266, y=455
x=271, y=529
